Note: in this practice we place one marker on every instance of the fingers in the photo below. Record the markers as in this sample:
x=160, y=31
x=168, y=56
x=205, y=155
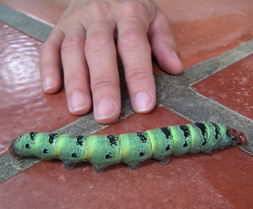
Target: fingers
x=135, y=52
x=164, y=46
x=50, y=62
x=88, y=54
x=76, y=77
x=104, y=78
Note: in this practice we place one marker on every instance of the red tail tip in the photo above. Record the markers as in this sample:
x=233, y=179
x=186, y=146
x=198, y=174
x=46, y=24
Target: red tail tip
x=239, y=136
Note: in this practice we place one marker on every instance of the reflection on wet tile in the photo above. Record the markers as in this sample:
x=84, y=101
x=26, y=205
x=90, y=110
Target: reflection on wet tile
x=23, y=106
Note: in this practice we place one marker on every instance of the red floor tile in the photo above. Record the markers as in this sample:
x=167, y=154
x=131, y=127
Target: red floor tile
x=23, y=106
x=230, y=173
x=232, y=87
x=198, y=181
x=202, y=28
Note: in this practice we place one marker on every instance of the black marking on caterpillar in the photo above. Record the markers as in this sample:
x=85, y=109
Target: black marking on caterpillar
x=217, y=130
x=79, y=140
x=32, y=135
x=142, y=137
x=51, y=137
x=74, y=155
x=186, y=131
x=166, y=132
x=113, y=140
x=202, y=127
x=141, y=154
x=167, y=147
x=108, y=155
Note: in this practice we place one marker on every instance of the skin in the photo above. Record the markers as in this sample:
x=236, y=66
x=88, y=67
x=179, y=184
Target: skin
x=85, y=44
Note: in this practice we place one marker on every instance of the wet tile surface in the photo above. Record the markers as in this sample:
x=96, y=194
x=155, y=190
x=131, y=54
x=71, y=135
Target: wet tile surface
x=214, y=178
x=202, y=29
x=23, y=106
x=232, y=87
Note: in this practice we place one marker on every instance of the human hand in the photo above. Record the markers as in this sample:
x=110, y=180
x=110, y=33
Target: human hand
x=85, y=43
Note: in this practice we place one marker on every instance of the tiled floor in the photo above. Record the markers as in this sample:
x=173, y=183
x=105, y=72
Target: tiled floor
x=235, y=83
x=203, y=29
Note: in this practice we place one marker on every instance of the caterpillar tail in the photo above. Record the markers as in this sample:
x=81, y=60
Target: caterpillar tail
x=103, y=151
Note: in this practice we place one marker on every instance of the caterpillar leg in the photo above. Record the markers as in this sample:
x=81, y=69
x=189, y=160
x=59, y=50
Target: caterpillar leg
x=103, y=151
x=208, y=152
x=165, y=161
x=135, y=148
x=71, y=164
x=133, y=165
x=100, y=167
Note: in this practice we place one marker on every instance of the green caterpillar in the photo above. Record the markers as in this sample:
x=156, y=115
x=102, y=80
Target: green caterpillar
x=103, y=151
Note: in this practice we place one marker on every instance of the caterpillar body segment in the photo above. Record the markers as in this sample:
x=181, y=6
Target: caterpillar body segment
x=103, y=151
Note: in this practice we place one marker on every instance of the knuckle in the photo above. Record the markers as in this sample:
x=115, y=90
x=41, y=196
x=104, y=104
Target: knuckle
x=47, y=46
x=130, y=39
x=97, y=7
x=136, y=75
x=102, y=84
x=98, y=36
x=47, y=66
x=96, y=40
x=71, y=42
x=132, y=8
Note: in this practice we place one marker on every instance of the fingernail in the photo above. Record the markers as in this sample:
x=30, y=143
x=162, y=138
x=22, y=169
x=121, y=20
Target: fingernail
x=104, y=109
x=142, y=101
x=78, y=102
x=175, y=54
x=48, y=84
x=176, y=63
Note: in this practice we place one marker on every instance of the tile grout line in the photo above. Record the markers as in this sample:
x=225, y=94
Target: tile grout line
x=195, y=74
x=24, y=23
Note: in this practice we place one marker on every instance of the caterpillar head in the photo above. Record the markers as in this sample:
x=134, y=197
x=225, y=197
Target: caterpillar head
x=22, y=145
x=238, y=137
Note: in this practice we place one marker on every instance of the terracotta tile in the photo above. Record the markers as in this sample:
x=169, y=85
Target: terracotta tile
x=203, y=39
x=202, y=28
x=23, y=106
x=230, y=173
x=232, y=87
x=198, y=181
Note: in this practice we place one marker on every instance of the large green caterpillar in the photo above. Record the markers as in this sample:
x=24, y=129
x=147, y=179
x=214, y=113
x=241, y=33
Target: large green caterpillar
x=130, y=148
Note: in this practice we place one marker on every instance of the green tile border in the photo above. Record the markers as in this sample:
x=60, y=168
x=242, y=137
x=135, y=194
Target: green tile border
x=174, y=93
x=24, y=23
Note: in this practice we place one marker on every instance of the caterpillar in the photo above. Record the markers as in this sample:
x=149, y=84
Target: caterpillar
x=103, y=151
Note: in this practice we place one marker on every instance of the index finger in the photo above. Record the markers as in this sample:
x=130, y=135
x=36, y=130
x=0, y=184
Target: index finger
x=50, y=62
